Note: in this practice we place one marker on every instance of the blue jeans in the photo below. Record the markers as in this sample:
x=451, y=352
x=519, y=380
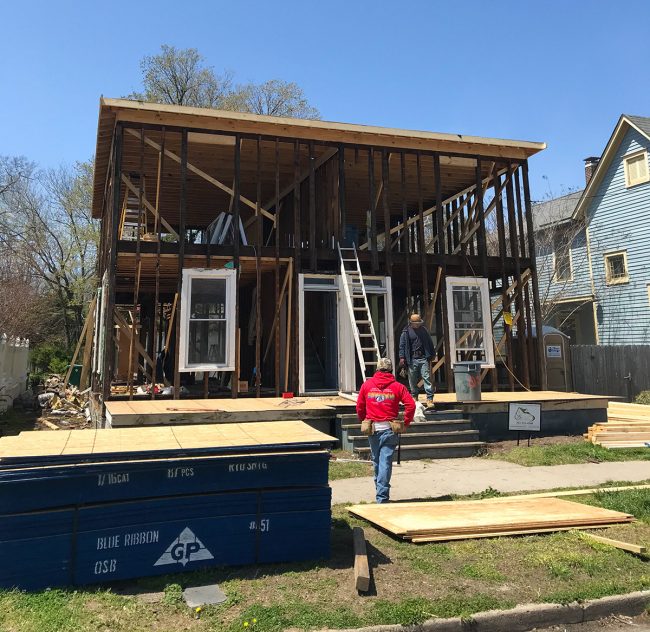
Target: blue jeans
x=382, y=446
x=419, y=367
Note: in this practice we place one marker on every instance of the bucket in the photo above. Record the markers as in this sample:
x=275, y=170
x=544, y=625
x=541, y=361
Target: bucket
x=467, y=381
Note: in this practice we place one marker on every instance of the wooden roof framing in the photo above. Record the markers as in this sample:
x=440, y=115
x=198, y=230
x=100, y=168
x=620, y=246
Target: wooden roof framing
x=211, y=155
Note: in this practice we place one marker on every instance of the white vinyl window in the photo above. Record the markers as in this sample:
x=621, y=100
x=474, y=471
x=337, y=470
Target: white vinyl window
x=636, y=168
x=470, y=322
x=616, y=270
x=207, y=320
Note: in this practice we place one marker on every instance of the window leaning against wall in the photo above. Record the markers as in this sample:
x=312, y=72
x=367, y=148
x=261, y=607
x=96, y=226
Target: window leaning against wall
x=636, y=168
x=616, y=268
x=208, y=320
x=470, y=323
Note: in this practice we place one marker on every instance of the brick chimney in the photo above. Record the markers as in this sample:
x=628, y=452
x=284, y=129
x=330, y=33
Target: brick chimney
x=590, y=166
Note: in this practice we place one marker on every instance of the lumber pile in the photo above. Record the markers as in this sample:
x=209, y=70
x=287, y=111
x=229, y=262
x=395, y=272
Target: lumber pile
x=87, y=506
x=493, y=517
x=627, y=426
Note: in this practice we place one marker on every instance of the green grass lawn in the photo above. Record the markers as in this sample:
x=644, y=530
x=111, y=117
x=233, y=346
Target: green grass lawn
x=578, y=452
x=412, y=583
x=348, y=468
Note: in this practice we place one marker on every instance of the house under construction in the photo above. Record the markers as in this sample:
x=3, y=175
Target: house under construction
x=244, y=253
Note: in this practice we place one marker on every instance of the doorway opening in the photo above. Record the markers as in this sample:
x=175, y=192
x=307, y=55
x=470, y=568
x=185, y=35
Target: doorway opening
x=320, y=350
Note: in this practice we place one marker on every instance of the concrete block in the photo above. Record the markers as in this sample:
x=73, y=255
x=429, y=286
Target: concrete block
x=203, y=595
x=630, y=605
x=523, y=618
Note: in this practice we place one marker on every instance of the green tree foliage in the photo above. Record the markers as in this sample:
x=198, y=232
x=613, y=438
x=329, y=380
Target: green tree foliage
x=182, y=77
x=48, y=244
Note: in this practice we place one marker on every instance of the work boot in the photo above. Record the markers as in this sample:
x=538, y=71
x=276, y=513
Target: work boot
x=429, y=403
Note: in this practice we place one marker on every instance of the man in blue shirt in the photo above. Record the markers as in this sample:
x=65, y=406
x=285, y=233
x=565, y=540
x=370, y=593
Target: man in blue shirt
x=415, y=352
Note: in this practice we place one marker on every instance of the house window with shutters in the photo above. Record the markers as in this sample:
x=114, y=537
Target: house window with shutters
x=616, y=268
x=636, y=168
x=207, y=320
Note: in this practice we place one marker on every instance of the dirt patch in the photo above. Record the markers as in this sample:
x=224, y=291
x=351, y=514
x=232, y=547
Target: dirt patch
x=496, y=447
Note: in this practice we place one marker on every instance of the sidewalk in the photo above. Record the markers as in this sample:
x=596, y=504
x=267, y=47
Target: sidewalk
x=418, y=479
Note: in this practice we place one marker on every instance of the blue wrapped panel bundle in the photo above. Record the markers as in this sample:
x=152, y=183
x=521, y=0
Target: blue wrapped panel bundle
x=102, y=519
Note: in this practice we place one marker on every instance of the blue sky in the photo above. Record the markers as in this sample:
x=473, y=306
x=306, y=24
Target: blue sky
x=555, y=71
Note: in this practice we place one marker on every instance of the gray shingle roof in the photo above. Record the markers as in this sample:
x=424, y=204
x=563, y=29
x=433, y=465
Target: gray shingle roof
x=642, y=122
x=557, y=210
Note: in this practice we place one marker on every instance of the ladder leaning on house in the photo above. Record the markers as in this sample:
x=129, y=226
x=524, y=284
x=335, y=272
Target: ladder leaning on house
x=356, y=300
x=129, y=222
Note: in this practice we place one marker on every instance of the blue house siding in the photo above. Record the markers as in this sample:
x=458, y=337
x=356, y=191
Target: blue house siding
x=619, y=220
x=580, y=285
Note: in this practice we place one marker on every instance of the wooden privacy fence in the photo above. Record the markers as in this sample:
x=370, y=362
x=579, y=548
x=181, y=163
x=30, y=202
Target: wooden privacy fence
x=622, y=370
x=14, y=357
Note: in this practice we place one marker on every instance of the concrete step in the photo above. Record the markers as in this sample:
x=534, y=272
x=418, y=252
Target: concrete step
x=443, y=413
x=448, y=425
x=419, y=438
x=432, y=451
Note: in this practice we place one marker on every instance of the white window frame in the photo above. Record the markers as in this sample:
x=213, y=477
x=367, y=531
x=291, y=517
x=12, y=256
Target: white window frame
x=626, y=165
x=184, y=322
x=626, y=278
x=481, y=283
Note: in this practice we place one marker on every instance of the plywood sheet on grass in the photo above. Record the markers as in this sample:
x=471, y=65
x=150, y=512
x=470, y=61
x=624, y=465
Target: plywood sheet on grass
x=495, y=515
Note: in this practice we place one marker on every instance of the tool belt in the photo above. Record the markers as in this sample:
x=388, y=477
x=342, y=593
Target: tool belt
x=397, y=426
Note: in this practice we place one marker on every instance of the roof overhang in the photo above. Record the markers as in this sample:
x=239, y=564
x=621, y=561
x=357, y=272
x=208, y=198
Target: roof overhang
x=623, y=125
x=112, y=111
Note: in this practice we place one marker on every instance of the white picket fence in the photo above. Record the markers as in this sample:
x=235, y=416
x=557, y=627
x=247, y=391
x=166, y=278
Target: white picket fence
x=14, y=360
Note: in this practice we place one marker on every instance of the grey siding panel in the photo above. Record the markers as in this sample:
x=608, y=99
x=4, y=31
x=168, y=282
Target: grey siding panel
x=619, y=219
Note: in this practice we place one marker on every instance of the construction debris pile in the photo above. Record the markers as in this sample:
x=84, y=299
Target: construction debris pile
x=64, y=406
x=627, y=426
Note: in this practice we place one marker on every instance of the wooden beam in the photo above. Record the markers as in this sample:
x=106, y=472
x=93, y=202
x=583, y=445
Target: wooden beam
x=420, y=237
x=278, y=208
x=374, y=255
x=385, y=195
x=258, y=274
x=361, y=566
x=202, y=174
x=88, y=347
x=82, y=337
x=429, y=211
x=131, y=335
x=319, y=162
x=312, y=209
x=157, y=311
x=236, y=243
x=149, y=206
x=278, y=309
x=625, y=546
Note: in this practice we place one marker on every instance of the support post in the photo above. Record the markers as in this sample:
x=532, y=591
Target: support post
x=385, y=196
x=109, y=345
x=181, y=262
x=235, y=218
x=258, y=275
x=539, y=325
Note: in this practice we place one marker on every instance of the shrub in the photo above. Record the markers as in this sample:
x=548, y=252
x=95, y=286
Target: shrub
x=643, y=398
x=49, y=357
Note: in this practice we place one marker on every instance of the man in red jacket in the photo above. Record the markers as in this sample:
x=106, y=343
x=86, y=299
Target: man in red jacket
x=378, y=409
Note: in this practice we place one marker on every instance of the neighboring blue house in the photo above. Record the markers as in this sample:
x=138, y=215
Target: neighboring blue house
x=594, y=245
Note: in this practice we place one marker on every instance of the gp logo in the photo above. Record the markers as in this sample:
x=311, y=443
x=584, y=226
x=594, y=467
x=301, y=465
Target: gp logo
x=185, y=548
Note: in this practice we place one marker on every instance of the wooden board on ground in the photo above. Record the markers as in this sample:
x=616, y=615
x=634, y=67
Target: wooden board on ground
x=625, y=546
x=478, y=518
x=361, y=566
x=163, y=439
x=201, y=411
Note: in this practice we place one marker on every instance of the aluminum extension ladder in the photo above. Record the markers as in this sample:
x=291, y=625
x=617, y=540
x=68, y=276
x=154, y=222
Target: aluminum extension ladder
x=356, y=299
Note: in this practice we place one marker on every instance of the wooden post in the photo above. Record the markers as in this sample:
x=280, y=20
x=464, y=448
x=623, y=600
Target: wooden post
x=258, y=275
x=539, y=325
x=277, y=265
x=181, y=261
x=505, y=298
x=288, y=336
x=292, y=311
x=385, y=195
x=361, y=566
x=519, y=291
x=442, y=250
x=109, y=345
x=342, y=192
x=156, y=300
x=421, y=244
x=374, y=255
x=236, y=263
x=527, y=302
x=312, y=209
x=405, y=232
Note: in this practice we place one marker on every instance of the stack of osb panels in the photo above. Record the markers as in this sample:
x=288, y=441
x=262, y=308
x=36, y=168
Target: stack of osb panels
x=627, y=426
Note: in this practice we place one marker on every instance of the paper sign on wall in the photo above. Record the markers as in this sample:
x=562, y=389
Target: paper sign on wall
x=553, y=351
x=524, y=417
